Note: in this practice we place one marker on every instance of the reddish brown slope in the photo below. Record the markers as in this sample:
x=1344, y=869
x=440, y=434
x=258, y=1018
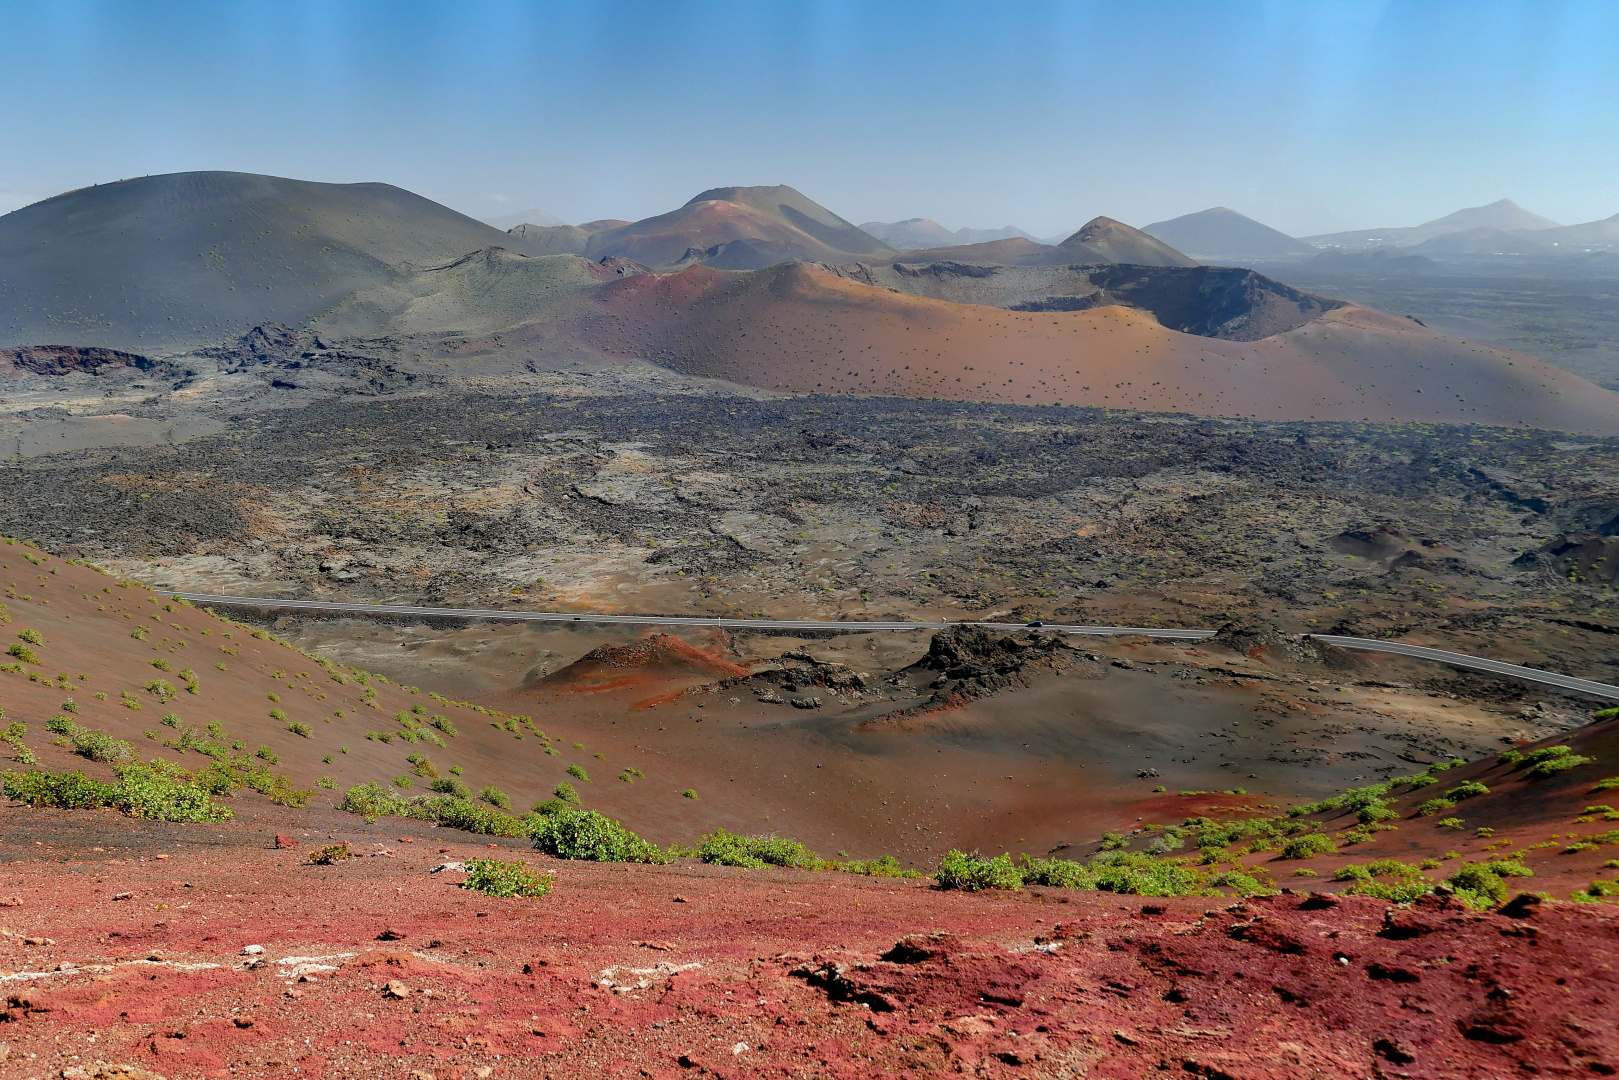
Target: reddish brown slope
x=801, y=328
x=704, y=971
x=90, y=655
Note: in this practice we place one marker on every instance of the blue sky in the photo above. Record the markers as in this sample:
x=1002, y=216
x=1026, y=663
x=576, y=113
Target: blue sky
x=1310, y=115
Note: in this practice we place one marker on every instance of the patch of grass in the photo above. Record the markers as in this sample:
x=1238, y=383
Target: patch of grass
x=1467, y=790
x=506, y=879
x=689, y=793
x=495, y=797
x=298, y=727
x=1434, y=806
x=579, y=774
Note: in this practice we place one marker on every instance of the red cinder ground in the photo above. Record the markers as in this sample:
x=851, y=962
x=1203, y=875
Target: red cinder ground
x=124, y=946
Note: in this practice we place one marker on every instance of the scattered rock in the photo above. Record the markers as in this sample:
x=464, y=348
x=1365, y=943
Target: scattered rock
x=10, y=901
x=391, y=934
x=286, y=841
x=252, y=950
x=396, y=989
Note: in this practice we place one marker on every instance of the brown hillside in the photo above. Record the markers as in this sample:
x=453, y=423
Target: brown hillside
x=804, y=328
x=91, y=655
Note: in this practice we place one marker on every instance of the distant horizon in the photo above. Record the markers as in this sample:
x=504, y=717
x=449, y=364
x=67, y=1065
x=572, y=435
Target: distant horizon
x=1312, y=118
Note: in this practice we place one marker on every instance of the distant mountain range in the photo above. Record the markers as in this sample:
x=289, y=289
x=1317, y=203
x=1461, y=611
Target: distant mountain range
x=1502, y=214
x=913, y=234
x=763, y=287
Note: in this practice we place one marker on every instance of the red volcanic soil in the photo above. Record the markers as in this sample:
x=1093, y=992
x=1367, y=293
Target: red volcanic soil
x=657, y=659
x=205, y=951
x=801, y=328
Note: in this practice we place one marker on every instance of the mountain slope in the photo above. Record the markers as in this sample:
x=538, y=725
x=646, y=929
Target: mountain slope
x=1501, y=214
x=525, y=217
x=910, y=234
x=1484, y=240
x=803, y=328
x=1222, y=233
x=788, y=223
x=184, y=259
x=1101, y=240
x=1592, y=235
x=1206, y=340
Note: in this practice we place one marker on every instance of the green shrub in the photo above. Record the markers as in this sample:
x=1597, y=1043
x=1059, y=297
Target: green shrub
x=443, y=724
x=1141, y=875
x=885, y=866
x=1056, y=873
x=266, y=754
x=578, y=774
x=163, y=792
x=975, y=872
x=1307, y=846
x=298, y=727
x=1480, y=885
x=371, y=800
x=1554, y=765
x=328, y=782
x=33, y=637
x=689, y=793
x=495, y=878
x=1467, y=790
x=69, y=791
x=24, y=653
x=727, y=849
x=586, y=834
x=1605, y=785
x=332, y=853
x=1245, y=884
x=566, y=792
x=449, y=785
x=547, y=807
x=455, y=813
x=1434, y=806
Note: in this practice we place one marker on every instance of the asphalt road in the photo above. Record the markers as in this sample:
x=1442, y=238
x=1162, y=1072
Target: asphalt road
x=1420, y=652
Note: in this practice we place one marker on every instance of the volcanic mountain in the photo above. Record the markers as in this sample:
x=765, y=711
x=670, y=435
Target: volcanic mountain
x=1205, y=340
x=1592, y=235
x=772, y=224
x=1501, y=214
x=1101, y=240
x=911, y=234
x=187, y=259
x=1484, y=240
x=1222, y=234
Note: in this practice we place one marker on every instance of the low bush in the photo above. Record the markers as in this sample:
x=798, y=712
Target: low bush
x=586, y=834
x=69, y=791
x=1467, y=790
x=1056, y=873
x=507, y=879
x=332, y=853
x=727, y=849
x=1307, y=846
x=885, y=866
x=1481, y=885
x=975, y=873
x=495, y=797
x=1434, y=806
x=449, y=785
x=1554, y=765
x=579, y=774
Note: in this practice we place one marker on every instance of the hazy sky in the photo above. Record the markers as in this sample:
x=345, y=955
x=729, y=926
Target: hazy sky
x=1311, y=115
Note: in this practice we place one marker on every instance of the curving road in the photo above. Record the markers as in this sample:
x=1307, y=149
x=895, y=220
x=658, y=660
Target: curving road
x=1400, y=648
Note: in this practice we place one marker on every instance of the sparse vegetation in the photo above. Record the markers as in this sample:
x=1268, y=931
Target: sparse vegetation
x=585, y=834
x=331, y=854
x=506, y=879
